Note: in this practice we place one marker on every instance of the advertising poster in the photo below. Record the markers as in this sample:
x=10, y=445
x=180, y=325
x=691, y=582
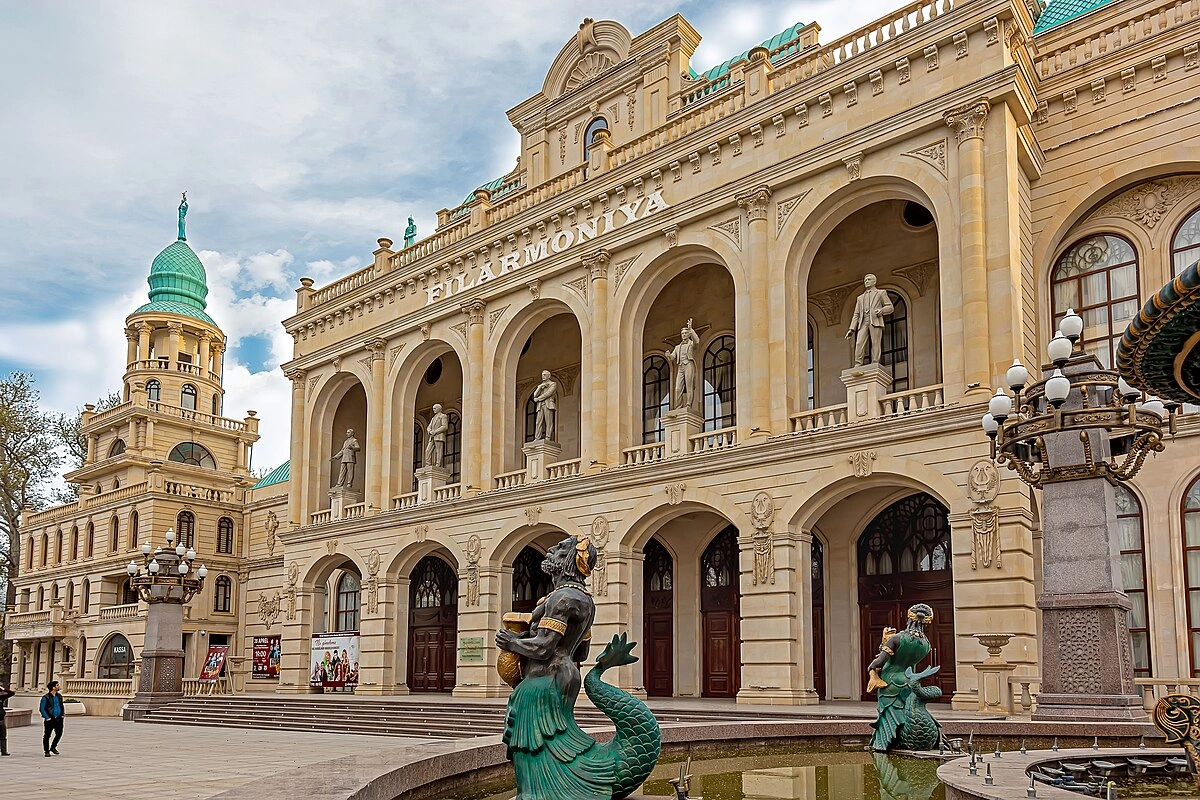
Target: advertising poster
x=267, y=651
x=334, y=662
x=214, y=663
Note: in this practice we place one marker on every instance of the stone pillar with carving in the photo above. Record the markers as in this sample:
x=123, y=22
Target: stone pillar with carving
x=473, y=424
x=297, y=507
x=376, y=499
x=864, y=386
x=131, y=347
x=757, y=242
x=205, y=354
x=597, y=440
x=968, y=122
x=174, y=337
x=143, y=331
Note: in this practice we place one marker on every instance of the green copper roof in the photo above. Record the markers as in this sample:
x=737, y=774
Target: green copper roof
x=1060, y=11
x=171, y=307
x=775, y=41
x=278, y=475
x=178, y=284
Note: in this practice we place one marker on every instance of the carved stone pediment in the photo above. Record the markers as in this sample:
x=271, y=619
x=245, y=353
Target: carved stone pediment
x=598, y=46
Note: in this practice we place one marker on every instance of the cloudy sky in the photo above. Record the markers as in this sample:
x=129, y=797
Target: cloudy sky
x=302, y=131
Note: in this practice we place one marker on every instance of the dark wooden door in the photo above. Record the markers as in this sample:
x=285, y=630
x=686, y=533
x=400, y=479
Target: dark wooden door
x=818, y=617
x=719, y=614
x=658, y=621
x=432, y=626
x=904, y=559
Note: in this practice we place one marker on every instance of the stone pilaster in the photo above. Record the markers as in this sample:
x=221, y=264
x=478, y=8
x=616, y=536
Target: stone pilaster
x=755, y=203
x=597, y=440
x=205, y=354
x=174, y=337
x=376, y=500
x=297, y=508
x=473, y=425
x=143, y=332
x=161, y=679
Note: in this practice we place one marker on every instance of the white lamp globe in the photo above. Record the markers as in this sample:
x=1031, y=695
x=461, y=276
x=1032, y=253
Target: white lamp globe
x=180, y=549
x=170, y=535
x=990, y=426
x=1071, y=325
x=202, y=572
x=183, y=568
x=1155, y=406
x=145, y=548
x=154, y=566
x=1017, y=376
x=1057, y=388
x=1126, y=391
x=131, y=568
x=191, y=554
x=1000, y=405
x=1059, y=349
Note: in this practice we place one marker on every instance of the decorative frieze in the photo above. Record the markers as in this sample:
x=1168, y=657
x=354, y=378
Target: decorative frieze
x=832, y=301
x=876, y=78
x=1099, y=90
x=784, y=208
x=933, y=153
x=268, y=609
x=902, y=70
x=600, y=536
x=1148, y=203
x=371, y=585
x=731, y=229
x=395, y=353
x=983, y=486
x=495, y=317
x=579, y=286
x=960, y=45
x=851, y=91
x=826, y=101
x=762, y=515
x=931, y=58
x=918, y=274
x=474, y=549
x=620, y=269
x=289, y=590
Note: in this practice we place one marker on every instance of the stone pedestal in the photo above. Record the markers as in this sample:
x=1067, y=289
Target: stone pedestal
x=992, y=674
x=678, y=428
x=538, y=454
x=864, y=386
x=342, y=496
x=428, y=479
x=161, y=678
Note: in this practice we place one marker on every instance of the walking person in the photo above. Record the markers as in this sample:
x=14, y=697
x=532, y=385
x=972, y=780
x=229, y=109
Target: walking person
x=52, y=718
x=5, y=693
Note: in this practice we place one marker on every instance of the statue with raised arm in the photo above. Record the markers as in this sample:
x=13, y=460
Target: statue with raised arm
x=182, y=213
x=903, y=720
x=867, y=324
x=435, y=444
x=545, y=399
x=347, y=458
x=552, y=757
x=410, y=233
x=682, y=357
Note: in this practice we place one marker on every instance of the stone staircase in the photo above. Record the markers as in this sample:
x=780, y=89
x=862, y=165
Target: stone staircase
x=401, y=716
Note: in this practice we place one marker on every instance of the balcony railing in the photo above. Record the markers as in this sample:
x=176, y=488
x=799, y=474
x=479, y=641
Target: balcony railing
x=452, y=491
x=19, y=619
x=198, y=492
x=224, y=423
x=563, y=469
x=98, y=687
x=402, y=502
x=354, y=511
x=1154, y=689
x=510, y=480
x=901, y=403
x=644, y=453
x=114, y=613
x=707, y=442
x=116, y=495
x=322, y=517
x=819, y=419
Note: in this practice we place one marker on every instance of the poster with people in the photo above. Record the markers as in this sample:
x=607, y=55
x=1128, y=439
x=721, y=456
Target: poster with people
x=214, y=663
x=267, y=655
x=334, y=662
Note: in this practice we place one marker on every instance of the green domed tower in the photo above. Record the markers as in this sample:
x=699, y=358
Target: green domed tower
x=177, y=281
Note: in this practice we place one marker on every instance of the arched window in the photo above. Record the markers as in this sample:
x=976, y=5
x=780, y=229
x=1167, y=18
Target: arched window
x=192, y=453
x=153, y=391
x=719, y=384
x=75, y=541
x=812, y=366
x=115, y=658
x=1098, y=277
x=911, y=535
x=53, y=593
x=29, y=554
x=1191, y=558
x=129, y=595
x=1133, y=577
x=117, y=448
x=41, y=598
x=656, y=397
x=454, y=446
x=1185, y=245
x=86, y=599
x=658, y=567
x=719, y=563
x=133, y=530
x=185, y=528
x=434, y=584
x=45, y=548
x=530, y=418
x=529, y=582
x=347, y=603
x=70, y=595
x=187, y=397
x=116, y=483
x=225, y=535
x=418, y=451
x=58, y=547
x=223, y=595
x=216, y=405
x=598, y=124
x=894, y=347
x=114, y=535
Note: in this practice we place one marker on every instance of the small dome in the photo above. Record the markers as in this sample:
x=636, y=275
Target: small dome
x=178, y=276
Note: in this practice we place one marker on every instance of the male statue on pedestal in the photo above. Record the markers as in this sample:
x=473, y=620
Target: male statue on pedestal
x=435, y=445
x=867, y=325
x=545, y=398
x=681, y=356
x=348, y=457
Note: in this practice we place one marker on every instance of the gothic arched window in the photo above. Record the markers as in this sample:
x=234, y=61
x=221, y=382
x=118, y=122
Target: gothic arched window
x=223, y=595
x=656, y=397
x=894, y=346
x=1185, y=244
x=1098, y=277
x=185, y=528
x=225, y=535
x=720, y=392
x=434, y=584
x=1133, y=576
x=347, y=602
x=657, y=567
x=192, y=453
x=910, y=535
x=719, y=563
x=529, y=582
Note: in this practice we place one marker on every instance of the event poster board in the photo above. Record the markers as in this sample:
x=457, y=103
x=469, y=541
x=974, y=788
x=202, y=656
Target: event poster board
x=267, y=650
x=334, y=663
x=214, y=663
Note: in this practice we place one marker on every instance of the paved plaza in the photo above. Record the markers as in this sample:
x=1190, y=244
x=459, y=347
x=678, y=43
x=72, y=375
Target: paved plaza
x=105, y=759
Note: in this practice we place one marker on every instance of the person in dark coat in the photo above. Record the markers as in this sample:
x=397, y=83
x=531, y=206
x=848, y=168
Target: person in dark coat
x=53, y=712
x=5, y=693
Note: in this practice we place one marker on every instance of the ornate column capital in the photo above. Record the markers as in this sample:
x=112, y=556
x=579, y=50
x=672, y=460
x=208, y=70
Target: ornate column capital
x=377, y=348
x=967, y=120
x=755, y=202
x=475, y=311
x=206, y=336
x=144, y=327
x=131, y=334
x=597, y=264
x=175, y=327
x=297, y=377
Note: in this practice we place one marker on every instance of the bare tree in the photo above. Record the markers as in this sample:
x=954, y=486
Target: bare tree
x=30, y=458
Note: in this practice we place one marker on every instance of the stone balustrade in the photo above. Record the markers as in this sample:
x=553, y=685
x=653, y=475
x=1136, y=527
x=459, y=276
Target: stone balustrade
x=224, y=423
x=819, y=419
x=194, y=492
x=452, y=491
x=408, y=500
x=1024, y=691
x=354, y=511
x=563, y=469
x=117, y=495
x=710, y=441
x=510, y=480
x=322, y=517
x=1153, y=689
x=98, y=687
x=922, y=399
x=644, y=453
x=115, y=613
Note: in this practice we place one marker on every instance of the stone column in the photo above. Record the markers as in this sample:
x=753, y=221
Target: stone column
x=131, y=347
x=174, y=335
x=205, y=352
x=143, y=331
x=968, y=122
x=596, y=451
x=218, y=352
x=755, y=202
x=161, y=680
x=375, y=414
x=296, y=506
x=1087, y=666
x=473, y=410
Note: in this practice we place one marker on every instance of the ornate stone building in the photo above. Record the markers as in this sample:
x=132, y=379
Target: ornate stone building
x=991, y=162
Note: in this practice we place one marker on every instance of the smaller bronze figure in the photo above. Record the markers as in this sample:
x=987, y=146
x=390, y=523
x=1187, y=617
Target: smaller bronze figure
x=903, y=719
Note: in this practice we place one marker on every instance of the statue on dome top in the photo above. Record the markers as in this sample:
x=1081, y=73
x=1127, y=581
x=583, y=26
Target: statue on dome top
x=182, y=213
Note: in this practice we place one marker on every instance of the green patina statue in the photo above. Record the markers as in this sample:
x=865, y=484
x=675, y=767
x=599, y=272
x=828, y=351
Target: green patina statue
x=182, y=214
x=903, y=721
x=552, y=758
x=410, y=233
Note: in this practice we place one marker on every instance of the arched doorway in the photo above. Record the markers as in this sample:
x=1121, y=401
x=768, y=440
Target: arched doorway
x=719, y=612
x=818, y=616
x=904, y=558
x=658, y=622
x=529, y=583
x=115, y=658
x=432, y=626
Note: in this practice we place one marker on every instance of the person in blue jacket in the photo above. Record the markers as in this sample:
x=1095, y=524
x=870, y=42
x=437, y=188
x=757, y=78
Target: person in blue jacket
x=52, y=718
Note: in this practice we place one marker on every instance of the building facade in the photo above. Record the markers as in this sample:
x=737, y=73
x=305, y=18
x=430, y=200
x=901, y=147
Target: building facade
x=992, y=164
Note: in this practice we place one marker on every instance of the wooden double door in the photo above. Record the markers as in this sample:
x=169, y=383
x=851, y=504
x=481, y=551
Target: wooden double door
x=432, y=626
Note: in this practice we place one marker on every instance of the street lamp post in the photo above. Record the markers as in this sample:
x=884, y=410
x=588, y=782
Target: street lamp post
x=1076, y=435
x=166, y=582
